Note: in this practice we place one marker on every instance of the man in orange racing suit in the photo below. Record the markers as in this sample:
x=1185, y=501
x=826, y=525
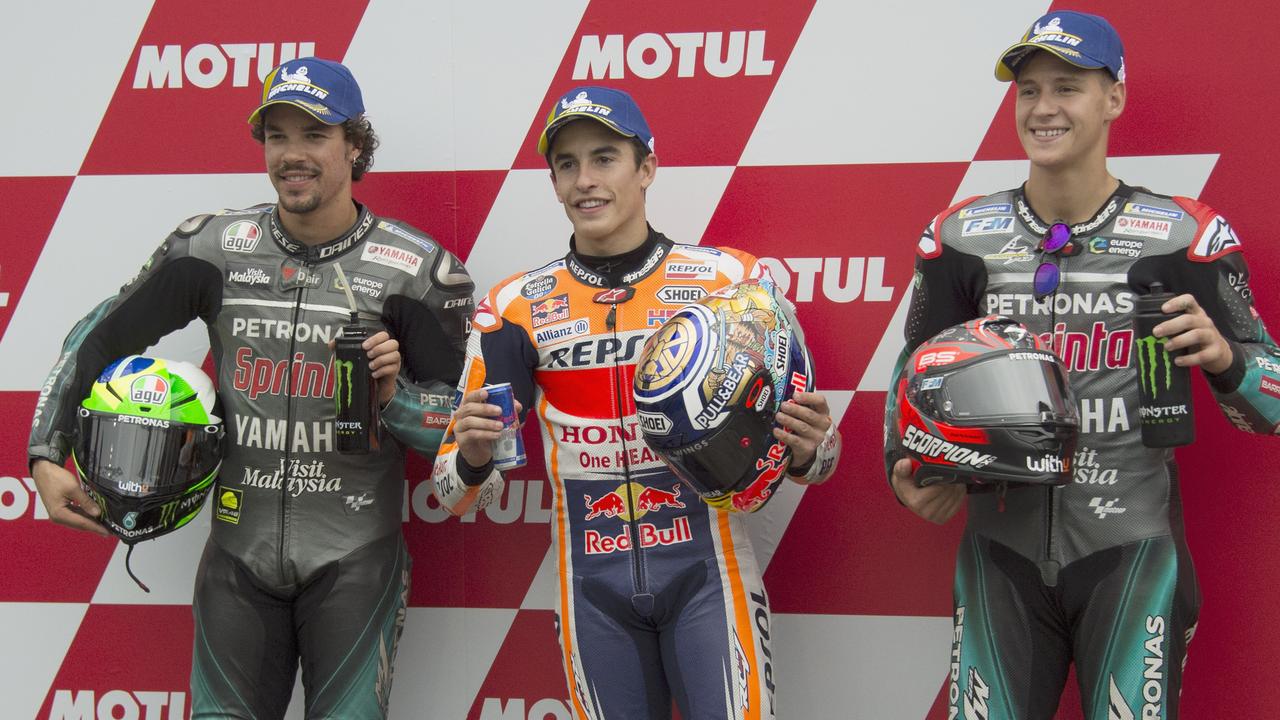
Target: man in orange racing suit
x=681, y=612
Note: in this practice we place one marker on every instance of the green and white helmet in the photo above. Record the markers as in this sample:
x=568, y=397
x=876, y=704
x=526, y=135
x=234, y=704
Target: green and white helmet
x=149, y=445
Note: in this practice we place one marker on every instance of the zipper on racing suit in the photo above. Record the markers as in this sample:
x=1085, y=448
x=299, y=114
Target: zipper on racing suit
x=288, y=425
x=641, y=599
x=1048, y=566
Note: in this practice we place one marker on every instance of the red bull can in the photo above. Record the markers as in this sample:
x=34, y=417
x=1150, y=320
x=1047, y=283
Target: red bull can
x=508, y=450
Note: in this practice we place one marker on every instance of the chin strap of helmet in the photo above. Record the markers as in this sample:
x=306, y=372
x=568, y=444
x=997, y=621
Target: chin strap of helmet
x=127, y=557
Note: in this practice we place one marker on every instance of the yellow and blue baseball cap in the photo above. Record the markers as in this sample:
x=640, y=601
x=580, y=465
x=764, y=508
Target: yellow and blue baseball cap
x=1084, y=40
x=612, y=107
x=324, y=88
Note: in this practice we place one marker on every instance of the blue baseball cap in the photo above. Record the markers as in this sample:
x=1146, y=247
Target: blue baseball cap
x=1084, y=40
x=612, y=107
x=324, y=88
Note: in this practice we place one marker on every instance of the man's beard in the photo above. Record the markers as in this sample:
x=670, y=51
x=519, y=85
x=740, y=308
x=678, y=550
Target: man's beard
x=300, y=204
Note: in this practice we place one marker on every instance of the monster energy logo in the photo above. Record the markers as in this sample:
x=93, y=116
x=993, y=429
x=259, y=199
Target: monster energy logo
x=1148, y=362
x=343, y=369
x=168, y=512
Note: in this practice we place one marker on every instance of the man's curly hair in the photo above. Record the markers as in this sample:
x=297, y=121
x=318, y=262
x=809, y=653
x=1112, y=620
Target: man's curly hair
x=358, y=131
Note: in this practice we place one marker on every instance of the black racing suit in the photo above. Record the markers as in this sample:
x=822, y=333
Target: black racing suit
x=306, y=557
x=1096, y=570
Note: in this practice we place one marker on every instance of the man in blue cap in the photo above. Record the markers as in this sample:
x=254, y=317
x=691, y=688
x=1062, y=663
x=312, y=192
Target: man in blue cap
x=1095, y=571
x=305, y=563
x=660, y=598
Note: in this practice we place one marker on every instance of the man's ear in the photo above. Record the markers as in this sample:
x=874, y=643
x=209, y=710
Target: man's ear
x=1116, y=96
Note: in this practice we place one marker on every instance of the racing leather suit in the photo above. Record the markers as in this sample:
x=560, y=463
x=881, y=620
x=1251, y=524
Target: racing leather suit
x=682, y=612
x=1096, y=570
x=306, y=555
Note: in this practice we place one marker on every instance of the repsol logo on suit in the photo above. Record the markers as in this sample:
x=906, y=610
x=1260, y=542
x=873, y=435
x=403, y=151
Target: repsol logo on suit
x=597, y=351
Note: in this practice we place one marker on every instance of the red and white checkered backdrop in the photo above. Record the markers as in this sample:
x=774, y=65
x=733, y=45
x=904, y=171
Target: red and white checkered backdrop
x=821, y=134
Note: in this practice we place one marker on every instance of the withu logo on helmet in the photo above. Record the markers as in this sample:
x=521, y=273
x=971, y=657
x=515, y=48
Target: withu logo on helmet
x=985, y=402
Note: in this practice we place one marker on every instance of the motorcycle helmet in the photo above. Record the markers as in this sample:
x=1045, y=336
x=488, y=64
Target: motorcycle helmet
x=148, y=445
x=707, y=387
x=985, y=402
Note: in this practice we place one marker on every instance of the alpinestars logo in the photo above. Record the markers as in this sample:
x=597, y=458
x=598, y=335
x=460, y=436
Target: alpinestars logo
x=1109, y=508
x=976, y=695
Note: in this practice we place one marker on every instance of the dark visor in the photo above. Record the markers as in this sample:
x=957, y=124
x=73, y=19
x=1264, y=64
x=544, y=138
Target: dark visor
x=120, y=455
x=726, y=458
x=1020, y=386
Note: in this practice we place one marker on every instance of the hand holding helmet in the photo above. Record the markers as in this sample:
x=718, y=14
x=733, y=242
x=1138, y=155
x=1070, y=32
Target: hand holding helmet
x=148, y=446
x=984, y=402
x=709, y=384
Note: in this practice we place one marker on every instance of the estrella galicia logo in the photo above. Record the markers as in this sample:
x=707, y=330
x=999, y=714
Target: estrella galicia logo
x=539, y=287
x=1152, y=357
x=130, y=520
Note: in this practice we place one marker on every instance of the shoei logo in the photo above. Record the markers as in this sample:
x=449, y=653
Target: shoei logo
x=651, y=55
x=655, y=423
x=206, y=65
x=241, y=236
x=149, y=390
x=84, y=705
x=681, y=294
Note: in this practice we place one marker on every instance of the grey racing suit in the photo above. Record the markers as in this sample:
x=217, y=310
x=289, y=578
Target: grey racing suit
x=1097, y=570
x=291, y=514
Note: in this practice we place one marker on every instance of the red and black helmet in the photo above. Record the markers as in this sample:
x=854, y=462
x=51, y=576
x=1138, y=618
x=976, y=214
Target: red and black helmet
x=986, y=402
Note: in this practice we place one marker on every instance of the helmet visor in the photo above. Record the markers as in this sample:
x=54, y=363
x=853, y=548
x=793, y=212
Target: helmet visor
x=1021, y=386
x=141, y=457
x=721, y=462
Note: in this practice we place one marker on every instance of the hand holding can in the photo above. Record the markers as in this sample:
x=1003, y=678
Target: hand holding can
x=508, y=449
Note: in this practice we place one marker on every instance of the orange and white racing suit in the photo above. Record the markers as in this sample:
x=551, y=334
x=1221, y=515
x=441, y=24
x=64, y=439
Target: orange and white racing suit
x=660, y=597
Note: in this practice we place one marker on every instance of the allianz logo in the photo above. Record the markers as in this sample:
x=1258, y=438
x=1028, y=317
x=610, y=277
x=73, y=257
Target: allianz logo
x=207, y=65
